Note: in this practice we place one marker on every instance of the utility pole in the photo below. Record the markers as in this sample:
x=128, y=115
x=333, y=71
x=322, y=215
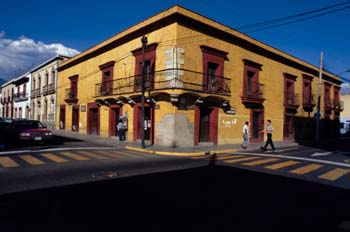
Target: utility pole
x=318, y=115
x=144, y=44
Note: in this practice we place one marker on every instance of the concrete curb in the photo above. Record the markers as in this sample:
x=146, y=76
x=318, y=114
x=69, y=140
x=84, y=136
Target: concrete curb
x=169, y=153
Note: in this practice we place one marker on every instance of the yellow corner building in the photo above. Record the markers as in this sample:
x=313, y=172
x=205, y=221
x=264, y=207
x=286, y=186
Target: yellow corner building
x=202, y=81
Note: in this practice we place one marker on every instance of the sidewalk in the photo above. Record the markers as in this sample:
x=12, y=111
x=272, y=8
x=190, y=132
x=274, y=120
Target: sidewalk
x=202, y=149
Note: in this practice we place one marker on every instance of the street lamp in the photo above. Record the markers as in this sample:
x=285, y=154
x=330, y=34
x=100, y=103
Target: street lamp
x=144, y=44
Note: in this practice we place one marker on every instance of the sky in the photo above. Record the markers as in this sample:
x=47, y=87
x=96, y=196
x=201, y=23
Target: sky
x=34, y=31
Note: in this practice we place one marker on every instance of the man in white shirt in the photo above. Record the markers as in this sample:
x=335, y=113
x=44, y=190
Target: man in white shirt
x=245, y=132
x=269, y=130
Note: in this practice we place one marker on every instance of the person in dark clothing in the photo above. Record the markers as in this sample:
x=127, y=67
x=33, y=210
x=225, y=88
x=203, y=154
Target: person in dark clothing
x=120, y=130
x=268, y=130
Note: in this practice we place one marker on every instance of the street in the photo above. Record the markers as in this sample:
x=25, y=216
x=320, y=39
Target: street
x=211, y=198
x=85, y=186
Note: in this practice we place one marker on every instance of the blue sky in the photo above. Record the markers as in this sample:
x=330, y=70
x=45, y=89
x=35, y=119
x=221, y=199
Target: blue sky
x=32, y=31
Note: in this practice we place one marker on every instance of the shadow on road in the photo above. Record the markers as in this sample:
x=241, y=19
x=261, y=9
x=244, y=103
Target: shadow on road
x=332, y=144
x=56, y=141
x=212, y=198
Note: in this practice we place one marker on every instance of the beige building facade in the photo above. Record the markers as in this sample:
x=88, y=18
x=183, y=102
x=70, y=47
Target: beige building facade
x=44, y=90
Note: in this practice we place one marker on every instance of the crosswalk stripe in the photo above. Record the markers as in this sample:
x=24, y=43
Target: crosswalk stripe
x=240, y=159
x=334, y=174
x=74, y=156
x=281, y=165
x=264, y=161
x=31, y=159
x=54, y=158
x=229, y=157
x=306, y=169
x=7, y=162
x=93, y=155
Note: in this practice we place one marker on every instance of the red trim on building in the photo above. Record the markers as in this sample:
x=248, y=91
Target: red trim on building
x=92, y=106
x=112, y=119
x=150, y=57
x=216, y=57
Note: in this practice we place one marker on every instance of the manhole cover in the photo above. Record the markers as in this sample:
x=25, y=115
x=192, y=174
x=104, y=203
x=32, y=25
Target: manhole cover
x=105, y=174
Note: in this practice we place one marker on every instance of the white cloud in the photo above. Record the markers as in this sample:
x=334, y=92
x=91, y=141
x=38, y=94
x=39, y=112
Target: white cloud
x=345, y=88
x=19, y=55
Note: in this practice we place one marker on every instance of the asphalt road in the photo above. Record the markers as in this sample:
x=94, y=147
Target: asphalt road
x=210, y=198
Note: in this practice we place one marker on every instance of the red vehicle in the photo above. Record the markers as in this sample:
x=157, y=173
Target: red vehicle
x=30, y=130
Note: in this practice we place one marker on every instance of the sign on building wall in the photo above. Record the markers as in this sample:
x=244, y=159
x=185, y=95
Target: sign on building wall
x=82, y=108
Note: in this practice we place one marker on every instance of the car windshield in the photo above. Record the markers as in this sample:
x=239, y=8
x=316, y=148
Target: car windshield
x=29, y=124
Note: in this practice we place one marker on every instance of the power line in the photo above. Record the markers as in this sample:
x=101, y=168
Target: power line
x=290, y=17
x=299, y=20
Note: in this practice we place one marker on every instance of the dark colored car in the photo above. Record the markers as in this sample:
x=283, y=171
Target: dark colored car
x=30, y=130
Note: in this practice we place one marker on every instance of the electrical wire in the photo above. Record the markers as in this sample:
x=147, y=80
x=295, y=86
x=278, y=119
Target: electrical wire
x=290, y=17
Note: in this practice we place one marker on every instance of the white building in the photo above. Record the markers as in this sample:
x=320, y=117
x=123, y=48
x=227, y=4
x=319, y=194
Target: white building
x=21, y=96
x=43, y=91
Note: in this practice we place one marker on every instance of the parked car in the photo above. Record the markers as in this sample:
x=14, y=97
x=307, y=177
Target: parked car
x=30, y=130
x=4, y=133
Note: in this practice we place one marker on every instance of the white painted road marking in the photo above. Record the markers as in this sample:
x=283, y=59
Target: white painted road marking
x=295, y=158
x=322, y=154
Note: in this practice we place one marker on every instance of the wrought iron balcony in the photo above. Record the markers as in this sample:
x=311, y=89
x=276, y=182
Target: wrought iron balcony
x=253, y=92
x=51, y=88
x=291, y=101
x=165, y=80
x=22, y=96
x=309, y=101
x=338, y=106
x=328, y=104
x=48, y=89
x=71, y=96
x=45, y=90
x=35, y=93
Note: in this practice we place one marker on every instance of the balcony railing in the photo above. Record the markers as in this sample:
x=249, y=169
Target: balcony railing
x=22, y=96
x=48, y=89
x=329, y=104
x=253, y=92
x=309, y=101
x=70, y=96
x=291, y=100
x=51, y=88
x=45, y=90
x=338, y=106
x=163, y=80
x=35, y=93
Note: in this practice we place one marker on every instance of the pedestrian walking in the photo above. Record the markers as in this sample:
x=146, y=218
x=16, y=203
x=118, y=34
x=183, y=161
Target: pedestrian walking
x=268, y=130
x=245, y=132
x=120, y=129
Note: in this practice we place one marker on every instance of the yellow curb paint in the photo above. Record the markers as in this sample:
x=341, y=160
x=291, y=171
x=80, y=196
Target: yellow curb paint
x=54, y=158
x=306, y=169
x=7, y=162
x=31, y=159
x=177, y=153
x=334, y=174
x=224, y=151
x=240, y=159
x=282, y=165
x=258, y=162
x=74, y=156
x=93, y=155
x=138, y=149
